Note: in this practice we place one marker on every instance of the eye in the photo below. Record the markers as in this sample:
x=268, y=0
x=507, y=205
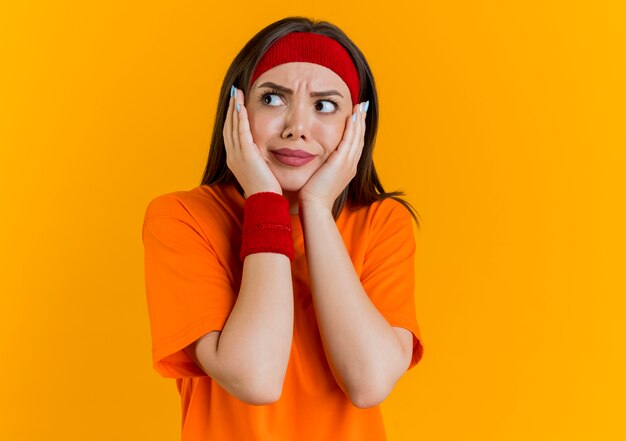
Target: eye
x=330, y=106
x=268, y=99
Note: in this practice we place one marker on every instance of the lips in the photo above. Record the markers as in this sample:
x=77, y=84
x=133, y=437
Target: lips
x=293, y=157
x=296, y=153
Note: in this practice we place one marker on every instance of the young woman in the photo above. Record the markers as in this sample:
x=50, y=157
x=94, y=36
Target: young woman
x=280, y=291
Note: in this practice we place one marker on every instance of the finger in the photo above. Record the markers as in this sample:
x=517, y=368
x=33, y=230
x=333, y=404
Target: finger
x=363, y=132
x=358, y=132
x=235, y=129
x=245, y=135
x=352, y=138
x=227, y=132
x=357, y=146
x=348, y=136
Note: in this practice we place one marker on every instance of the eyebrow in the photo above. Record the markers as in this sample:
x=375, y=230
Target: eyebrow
x=289, y=91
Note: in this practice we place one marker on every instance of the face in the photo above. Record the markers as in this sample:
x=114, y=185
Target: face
x=292, y=114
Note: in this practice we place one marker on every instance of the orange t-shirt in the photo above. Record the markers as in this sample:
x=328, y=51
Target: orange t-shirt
x=193, y=273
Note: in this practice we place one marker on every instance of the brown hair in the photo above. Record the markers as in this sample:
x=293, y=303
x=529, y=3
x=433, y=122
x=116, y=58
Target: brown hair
x=365, y=187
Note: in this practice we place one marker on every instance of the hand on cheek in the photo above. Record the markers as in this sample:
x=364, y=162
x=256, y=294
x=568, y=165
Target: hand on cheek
x=340, y=168
x=242, y=154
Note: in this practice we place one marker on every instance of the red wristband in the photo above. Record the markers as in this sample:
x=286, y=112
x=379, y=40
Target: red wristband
x=266, y=225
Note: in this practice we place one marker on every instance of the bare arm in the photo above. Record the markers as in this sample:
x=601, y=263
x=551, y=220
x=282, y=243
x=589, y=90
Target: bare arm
x=249, y=357
x=366, y=355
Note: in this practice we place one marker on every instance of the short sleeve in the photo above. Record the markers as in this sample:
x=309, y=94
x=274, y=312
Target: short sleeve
x=388, y=274
x=188, y=291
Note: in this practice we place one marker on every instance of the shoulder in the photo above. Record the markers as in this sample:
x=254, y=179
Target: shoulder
x=392, y=222
x=390, y=209
x=380, y=214
x=174, y=203
x=386, y=221
x=210, y=212
x=197, y=204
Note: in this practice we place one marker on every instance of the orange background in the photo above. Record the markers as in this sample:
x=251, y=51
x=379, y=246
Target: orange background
x=504, y=122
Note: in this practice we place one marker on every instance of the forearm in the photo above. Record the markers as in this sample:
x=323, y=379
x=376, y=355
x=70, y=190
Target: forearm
x=362, y=348
x=255, y=343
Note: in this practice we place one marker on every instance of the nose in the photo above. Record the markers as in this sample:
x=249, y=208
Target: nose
x=296, y=121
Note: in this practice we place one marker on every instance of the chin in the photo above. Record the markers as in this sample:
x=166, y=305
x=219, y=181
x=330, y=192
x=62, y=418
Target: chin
x=292, y=181
x=291, y=184
x=293, y=178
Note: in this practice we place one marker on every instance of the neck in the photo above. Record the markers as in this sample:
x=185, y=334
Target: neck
x=292, y=197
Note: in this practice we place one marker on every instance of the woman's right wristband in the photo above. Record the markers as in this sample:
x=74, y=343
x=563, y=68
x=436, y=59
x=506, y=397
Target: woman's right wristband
x=266, y=225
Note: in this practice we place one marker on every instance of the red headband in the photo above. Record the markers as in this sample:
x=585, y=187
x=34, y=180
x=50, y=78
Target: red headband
x=311, y=48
